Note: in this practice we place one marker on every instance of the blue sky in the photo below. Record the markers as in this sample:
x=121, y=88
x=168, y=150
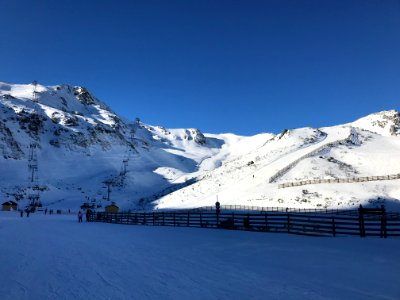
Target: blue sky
x=220, y=66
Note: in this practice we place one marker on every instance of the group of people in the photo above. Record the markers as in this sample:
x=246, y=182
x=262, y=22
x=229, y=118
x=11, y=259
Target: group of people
x=80, y=214
x=27, y=211
x=87, y=214
x=50, y=211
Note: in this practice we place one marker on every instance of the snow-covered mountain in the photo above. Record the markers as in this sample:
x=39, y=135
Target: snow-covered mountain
x=65, y=142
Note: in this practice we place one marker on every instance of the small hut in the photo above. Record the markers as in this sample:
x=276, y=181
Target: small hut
x=9, y=205
x=112, y=208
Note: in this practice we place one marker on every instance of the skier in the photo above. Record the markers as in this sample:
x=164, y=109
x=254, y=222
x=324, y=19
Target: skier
x=79, y=216
x=45, y=211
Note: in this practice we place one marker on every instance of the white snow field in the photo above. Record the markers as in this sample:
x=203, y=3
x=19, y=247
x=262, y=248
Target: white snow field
x=55, y=257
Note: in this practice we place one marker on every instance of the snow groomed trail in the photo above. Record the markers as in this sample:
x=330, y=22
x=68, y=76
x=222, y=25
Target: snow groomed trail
x=55, y=257
x=293, y=158
x=266, y=176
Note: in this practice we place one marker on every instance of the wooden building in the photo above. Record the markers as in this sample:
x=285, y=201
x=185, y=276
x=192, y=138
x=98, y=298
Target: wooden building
x=9, y=205
x=112, y=208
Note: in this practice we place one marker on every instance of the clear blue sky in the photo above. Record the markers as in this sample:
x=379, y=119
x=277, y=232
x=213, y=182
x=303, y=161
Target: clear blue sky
x=221, y=66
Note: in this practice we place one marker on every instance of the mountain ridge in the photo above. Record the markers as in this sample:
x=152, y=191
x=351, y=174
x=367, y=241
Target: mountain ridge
x=82, y=146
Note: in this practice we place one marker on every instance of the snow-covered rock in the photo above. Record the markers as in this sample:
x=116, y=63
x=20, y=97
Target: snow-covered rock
x=384, y=123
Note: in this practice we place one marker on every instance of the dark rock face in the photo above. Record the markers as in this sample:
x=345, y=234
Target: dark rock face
x=199, y=137
x=391, y=117
x=83, y=95
x=195, y=135
x=9, y=147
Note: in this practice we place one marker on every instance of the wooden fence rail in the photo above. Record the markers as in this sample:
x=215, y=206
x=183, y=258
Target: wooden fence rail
x=338, y=180
x=364, y=224
x=262, y=210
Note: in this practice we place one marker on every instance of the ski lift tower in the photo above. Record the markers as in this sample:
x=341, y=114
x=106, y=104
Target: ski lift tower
x=125, y=165
x=33, y=164
x=34, y=197
x=108, y=183
x=34, y=95
x=127, y=156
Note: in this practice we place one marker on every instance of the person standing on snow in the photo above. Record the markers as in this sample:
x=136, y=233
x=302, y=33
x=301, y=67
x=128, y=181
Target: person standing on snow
x=79, y=216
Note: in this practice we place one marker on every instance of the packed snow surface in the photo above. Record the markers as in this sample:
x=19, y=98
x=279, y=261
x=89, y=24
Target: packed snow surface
x=55, y=257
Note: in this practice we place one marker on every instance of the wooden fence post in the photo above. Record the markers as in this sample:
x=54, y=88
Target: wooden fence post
x=361, y=221
x=174, y=220
x=188, y=219
x=163, y=219
x=153, y=219
x=288, y=222
x=266, y=222
x=383, y=227
x=333, y=227
x=383, y=223
x=201, y=220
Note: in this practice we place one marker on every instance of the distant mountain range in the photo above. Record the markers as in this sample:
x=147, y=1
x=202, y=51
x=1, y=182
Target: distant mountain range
x=63, y=144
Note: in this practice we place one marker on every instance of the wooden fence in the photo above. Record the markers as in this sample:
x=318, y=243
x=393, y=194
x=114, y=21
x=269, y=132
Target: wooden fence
x=364, y=224
x=338, y=180
x=262, y=210
x=352, y=137
x=270, y=209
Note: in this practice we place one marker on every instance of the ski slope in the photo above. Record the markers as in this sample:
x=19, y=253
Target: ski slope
x=55, y=257
x=327, y=153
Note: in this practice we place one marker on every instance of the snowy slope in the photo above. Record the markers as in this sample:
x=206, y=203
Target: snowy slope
x=385, y=123
x=339, y=152
x=82, y=145
x=55, y=257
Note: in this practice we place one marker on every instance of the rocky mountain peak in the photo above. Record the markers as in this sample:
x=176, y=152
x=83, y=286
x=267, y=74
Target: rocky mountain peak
x=385, y=123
